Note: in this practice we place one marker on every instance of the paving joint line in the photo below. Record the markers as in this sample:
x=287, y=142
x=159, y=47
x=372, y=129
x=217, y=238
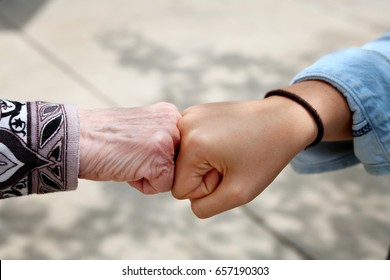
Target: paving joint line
x=259, y=221
x=60, y=64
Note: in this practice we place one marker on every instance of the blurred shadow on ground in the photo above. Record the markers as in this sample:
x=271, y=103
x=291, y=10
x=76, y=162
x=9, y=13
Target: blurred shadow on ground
x=334, y=215
x=197, y=76
x=23, y=11
x=337, y=215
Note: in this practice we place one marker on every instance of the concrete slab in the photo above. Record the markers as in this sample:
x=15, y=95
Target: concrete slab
x=189, y=52
x=109, y=221
x=129, y=53
x=27, y=74
x=336, y=215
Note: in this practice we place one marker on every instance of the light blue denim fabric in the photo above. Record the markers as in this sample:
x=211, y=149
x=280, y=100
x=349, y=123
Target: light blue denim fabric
x=362, y=75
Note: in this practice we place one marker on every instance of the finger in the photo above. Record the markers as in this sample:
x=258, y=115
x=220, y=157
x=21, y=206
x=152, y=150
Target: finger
x=169, y=115
x=189, y=176
x=162, y=183
x=229, y=194
x=210, y=182
x=147, y=187
x=138, y=185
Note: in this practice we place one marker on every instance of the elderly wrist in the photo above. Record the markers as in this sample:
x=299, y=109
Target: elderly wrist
x=85, y=141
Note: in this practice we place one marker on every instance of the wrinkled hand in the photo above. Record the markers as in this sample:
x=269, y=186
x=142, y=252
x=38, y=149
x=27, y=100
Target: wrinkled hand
x=230, y=152
x=136, y=145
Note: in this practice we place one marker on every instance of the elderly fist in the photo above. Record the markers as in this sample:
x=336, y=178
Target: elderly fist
x=136, y=145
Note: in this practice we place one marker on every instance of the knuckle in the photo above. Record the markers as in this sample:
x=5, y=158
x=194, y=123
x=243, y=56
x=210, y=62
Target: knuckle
x=167, y=113
x=196, y=140
x=186, y=111
x=160, y=150
x=182, y=124
x=165, y=105
x=160, y=139
x=169, y=108
x=159, y=143
x=176, y=194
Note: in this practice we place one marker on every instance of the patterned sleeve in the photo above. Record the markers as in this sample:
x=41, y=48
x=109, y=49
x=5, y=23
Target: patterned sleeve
x=39, y=145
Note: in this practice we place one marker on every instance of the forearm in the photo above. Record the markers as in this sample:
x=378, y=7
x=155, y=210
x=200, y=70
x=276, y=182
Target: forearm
x=46, y=147
x=362, y=76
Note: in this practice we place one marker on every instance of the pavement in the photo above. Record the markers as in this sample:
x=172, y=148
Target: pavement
x=110, y=53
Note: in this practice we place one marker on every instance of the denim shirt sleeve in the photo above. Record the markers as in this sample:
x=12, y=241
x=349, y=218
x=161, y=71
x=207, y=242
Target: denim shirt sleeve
x=362, y=75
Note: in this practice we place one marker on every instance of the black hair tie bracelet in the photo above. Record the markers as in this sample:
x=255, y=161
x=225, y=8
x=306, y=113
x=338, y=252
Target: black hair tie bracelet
x=307, y=106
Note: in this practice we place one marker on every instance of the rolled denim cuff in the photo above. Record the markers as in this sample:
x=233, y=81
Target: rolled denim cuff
x=39, y=148
x=363, y=77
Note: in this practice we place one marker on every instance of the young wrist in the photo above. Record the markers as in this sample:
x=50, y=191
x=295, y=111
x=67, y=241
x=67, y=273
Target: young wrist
x=330, y=104
x=296, y=123
x=313, y=113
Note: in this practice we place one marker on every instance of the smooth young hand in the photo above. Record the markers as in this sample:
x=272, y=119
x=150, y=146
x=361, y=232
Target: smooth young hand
x=230, y=152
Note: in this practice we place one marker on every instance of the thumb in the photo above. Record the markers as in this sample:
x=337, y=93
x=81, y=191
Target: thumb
x=209, y=183
x=194, y=178
x=162, y=183
x=232, y=192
